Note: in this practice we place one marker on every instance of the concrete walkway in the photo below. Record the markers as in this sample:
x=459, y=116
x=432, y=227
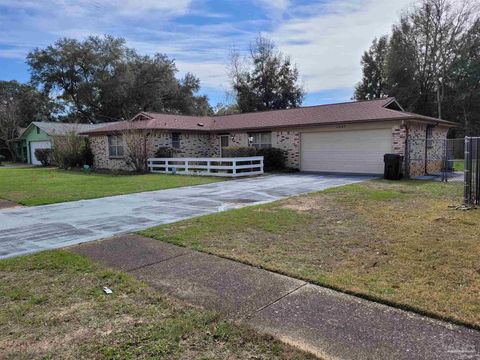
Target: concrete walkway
x=28, y=230
x=327, y=323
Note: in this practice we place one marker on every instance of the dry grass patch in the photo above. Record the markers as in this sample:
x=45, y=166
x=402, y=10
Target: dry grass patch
x=397, y=242
x=53, y=306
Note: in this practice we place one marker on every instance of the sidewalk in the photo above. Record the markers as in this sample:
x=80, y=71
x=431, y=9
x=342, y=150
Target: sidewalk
x=327, y=323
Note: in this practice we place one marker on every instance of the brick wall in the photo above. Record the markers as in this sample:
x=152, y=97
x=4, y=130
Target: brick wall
x=208, y=145
x=399, y=134
x=286, y=140
x=416, y=149
x=290, y=142
x=99, y=146
x=191, y=145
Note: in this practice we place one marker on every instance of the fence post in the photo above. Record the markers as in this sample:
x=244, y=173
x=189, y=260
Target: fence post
x=467, y=173
x=445, y=161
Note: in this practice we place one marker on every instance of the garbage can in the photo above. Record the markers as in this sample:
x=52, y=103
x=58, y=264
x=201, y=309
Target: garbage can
x=393, y=166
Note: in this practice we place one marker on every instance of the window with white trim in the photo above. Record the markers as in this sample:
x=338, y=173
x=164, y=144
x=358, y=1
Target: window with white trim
x=115, y=146
x=176, y=140
x=261, y=140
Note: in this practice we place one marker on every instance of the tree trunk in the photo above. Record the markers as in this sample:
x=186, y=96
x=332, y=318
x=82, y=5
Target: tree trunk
x=439, y=101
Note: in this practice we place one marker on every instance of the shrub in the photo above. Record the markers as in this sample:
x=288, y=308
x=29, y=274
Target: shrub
x=68, y=151
x=2, y=158
x=44, y=156
x=238, y=151
x=166, y=152
x=273, y=158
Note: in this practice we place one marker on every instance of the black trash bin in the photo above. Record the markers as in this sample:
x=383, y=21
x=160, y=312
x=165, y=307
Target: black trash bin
x=393, y=166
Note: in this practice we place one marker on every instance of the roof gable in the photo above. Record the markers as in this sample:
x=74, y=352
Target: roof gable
x=29, y=129
x=141, y=116
x=393, y=104
x=59, y=129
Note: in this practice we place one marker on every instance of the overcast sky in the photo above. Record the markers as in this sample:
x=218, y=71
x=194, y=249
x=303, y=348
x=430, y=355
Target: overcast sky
x=324, y=38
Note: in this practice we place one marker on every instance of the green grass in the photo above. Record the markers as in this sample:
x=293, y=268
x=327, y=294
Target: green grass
x=395, y=242
x=459, y=165
x=53, y=306
x=39, y=186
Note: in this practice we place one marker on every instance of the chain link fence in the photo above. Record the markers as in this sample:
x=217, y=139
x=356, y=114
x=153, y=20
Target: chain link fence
x=440, y=158
x=472, y=171
x=448, y=160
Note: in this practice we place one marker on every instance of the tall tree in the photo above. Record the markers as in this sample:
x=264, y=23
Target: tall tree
x=20, y=104
x=100, y=79
x=465, y=82
x=32, y=104
x=373, y=84
x=266, y=79
x=423, y=47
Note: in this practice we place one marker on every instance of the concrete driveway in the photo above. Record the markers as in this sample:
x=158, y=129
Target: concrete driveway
x=28, y=230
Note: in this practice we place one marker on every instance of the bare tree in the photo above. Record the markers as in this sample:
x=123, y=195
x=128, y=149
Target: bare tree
x=135, y=142
x=68, y=149
x=10, y=121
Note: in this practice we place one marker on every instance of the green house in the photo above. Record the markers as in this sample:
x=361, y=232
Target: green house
x=39, y=135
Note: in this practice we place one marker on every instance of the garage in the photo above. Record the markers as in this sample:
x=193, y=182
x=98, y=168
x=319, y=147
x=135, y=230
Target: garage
x=34, y=145
x=345, y=151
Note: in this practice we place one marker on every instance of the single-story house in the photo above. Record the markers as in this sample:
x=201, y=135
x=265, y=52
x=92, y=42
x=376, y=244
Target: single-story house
x=39, y=135
x=349, y=137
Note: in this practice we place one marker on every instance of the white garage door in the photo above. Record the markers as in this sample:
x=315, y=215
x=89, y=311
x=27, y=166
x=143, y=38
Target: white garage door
x=38, y=145
x=358, y=151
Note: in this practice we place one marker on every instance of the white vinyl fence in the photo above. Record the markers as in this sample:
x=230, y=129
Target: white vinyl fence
x=228, y=167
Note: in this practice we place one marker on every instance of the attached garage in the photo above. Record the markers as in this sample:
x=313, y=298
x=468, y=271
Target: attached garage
x=350, y=137
x=345, y=151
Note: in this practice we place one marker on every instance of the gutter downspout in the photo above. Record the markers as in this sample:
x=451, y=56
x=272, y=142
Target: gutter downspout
x=407, y=155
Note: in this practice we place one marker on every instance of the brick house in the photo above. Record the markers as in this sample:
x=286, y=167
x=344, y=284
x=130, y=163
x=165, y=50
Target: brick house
x=344, y=138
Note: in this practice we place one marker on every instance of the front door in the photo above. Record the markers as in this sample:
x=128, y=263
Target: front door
x=224, y=142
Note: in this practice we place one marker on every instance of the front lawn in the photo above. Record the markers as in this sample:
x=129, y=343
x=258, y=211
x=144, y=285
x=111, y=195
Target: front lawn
x=39, y=186
x=395, y=242
x=53, y=306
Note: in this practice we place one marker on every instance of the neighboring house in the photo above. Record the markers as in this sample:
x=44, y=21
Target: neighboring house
x=345, y=138
x=39, y=135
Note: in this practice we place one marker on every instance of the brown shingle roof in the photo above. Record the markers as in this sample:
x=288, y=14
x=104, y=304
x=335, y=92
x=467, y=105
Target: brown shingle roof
x=351, y=112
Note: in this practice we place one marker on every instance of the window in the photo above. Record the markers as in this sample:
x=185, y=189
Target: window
x=176, y=140
x=224, y=142
x=261, y=140
x=224, y=139
x=38, y=130
x=115, y=146
x=429, y=137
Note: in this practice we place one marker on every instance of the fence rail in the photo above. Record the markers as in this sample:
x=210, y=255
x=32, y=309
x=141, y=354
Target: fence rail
x=226, y=167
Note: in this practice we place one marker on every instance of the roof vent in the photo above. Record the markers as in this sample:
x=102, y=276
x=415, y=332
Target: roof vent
x=200, y=124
